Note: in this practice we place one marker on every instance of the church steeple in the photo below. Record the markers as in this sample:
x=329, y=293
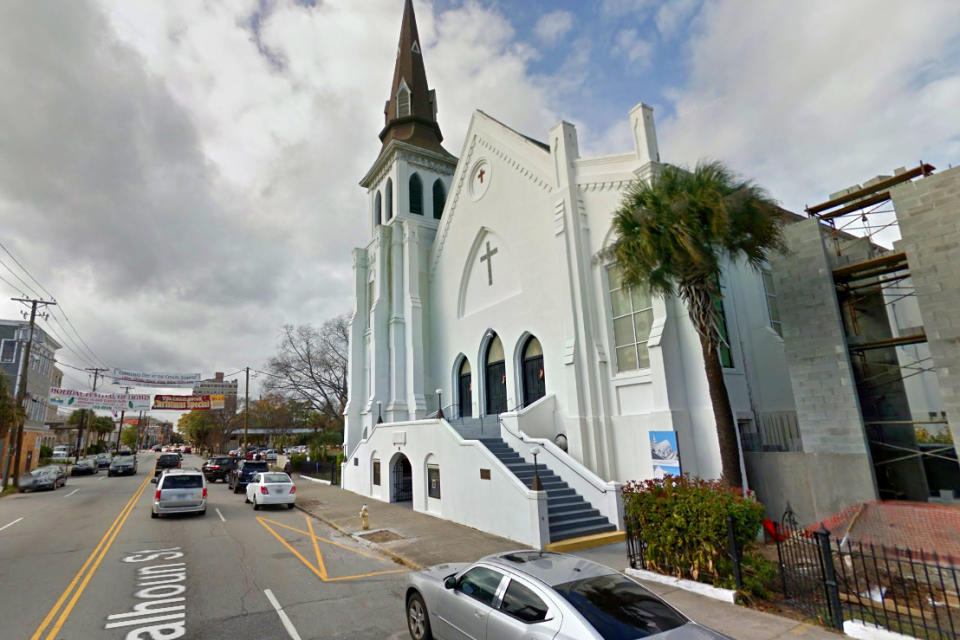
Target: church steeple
x=410, y=114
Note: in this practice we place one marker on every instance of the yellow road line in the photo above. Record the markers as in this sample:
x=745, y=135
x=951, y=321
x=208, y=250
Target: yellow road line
x=322, y=539
x=56, y=607
x=317, y=571
x=83, y=585
x=316, y=548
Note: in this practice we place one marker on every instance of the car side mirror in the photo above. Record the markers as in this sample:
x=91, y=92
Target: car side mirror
x=450, y=582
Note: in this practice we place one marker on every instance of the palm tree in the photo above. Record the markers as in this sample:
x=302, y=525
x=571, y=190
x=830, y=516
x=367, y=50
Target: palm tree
x=672, y=233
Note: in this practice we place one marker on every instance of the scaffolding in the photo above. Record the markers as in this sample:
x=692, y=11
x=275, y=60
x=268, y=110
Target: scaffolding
x=870, y=277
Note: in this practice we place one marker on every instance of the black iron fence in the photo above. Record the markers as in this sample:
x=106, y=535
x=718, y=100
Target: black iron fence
x=731, y=572
x=326, y=469
x=915, y=593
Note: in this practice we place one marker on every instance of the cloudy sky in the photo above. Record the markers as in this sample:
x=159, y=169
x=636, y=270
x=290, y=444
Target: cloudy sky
x=182, y=175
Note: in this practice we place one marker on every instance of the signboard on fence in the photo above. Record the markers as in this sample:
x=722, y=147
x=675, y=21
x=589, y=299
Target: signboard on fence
x=664, y=453
x=144, y=379
x=73, y=399
x=188, y=403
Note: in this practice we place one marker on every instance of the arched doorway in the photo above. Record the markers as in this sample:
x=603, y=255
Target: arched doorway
x=534, y=381
x=495, y=378
x=401, y=479
x=464, y=390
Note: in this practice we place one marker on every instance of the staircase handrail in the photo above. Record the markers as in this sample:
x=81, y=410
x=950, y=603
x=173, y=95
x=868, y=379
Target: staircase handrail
x=546, y=444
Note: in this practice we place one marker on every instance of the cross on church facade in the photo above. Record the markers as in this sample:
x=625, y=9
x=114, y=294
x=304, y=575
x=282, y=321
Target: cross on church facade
x=487, y=257
x=480, y=175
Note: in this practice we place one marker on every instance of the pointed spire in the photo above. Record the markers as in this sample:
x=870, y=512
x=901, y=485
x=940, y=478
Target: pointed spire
x=410, y=113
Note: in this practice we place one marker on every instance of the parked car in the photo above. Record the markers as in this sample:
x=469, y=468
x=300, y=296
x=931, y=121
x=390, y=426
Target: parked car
x=85, y=466
x=61, y=452
x=239, y=477
x=157, y=448
x=42, y=478
x=270, y=455
x=188, y=449
x=123, y=466
x=271, y=488
x=218, y=467
x=180, y=491
x=166, y=461
x=103, y=460
x=539, y=594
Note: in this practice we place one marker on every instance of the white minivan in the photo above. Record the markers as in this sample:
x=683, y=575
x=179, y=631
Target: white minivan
x=180, y=491
x=61, y=451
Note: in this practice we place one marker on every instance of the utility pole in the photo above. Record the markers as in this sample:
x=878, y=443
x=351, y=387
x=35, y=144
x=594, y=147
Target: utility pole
x=22, y=391
x=246, y=412
x=123, y=411
x=83, y=423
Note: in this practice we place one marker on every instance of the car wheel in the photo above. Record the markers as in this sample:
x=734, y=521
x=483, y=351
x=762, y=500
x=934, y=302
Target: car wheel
x=154, y=515
x=202, y=513
x=290, y=506
x=256, y=505
x=418, y=622
x=246, y=498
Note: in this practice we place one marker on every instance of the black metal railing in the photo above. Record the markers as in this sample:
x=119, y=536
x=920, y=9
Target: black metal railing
x=637, y=556
x=907, y=591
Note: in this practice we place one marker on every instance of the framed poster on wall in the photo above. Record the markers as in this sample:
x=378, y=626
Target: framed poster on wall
x=665, y=454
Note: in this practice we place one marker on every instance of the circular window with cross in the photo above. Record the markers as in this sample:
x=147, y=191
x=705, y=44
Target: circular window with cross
x=479, y=179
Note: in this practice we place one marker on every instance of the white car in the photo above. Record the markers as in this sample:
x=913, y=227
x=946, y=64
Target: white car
x=270, y=454
x=180, y=491
x=271, y=487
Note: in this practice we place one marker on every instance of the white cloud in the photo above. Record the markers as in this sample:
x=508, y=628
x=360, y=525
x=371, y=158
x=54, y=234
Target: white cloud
x=671, y=15
x=553, y=26
x=624, y=7
x=635, y=49
x=810, y=98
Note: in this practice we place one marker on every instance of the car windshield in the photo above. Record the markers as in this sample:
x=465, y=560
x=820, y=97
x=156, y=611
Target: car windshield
x=169, y=458
x=618, y=608
x=42, y=471
x=182, y=482
x=123, y=460
x=276, y=477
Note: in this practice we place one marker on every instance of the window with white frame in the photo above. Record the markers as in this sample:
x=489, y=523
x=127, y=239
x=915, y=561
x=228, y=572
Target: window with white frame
x=403, y=101
x=772, y=307
x=632, y=312
x=8, y=351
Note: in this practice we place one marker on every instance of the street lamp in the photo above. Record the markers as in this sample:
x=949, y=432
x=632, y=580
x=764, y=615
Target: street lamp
x=440, y=404
x=537, y=486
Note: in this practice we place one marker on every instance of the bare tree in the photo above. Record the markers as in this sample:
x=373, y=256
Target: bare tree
x=311, y=366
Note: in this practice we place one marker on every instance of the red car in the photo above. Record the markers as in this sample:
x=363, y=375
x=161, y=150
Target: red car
x=187, y=450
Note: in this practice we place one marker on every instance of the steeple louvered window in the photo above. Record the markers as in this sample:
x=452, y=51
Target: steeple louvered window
x=416, y=195
x=403, y=101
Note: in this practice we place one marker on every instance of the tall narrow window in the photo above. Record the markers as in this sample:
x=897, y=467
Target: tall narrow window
x=378, y=209
x=465, y=390
x=403, y=101
x=726, y=356
x=433, y=481
x=772, y=307
x=534, y=383
x=496, y=378
x=416, y=195
x=8, y=352
x=439, y=198
x=376, y=473
x=632, y=318
x=388, y=195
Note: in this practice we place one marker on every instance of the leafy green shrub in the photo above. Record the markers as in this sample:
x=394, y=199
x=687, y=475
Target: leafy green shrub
x=682, y=525
x=45, y=451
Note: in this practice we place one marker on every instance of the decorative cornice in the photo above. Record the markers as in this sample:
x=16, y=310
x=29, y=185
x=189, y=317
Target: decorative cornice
x=451, y=208
x=522, y=169
x=606, y=185
x=386, y=159
x=559, y=224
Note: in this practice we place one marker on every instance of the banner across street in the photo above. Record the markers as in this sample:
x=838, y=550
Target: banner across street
x=145, y=379
x=73, y=399
x=189, y=403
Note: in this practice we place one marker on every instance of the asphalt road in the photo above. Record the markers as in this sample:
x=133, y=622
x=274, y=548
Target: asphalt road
x=72, y=558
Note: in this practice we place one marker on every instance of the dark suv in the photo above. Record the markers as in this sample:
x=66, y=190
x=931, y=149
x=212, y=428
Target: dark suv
x=166, y=461
x=241, y=476
x=218, y=468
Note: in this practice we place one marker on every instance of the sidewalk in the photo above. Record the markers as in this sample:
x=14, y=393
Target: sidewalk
x=420, y=540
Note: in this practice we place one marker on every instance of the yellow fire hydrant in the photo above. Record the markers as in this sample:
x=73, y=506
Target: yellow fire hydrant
x=364, y=518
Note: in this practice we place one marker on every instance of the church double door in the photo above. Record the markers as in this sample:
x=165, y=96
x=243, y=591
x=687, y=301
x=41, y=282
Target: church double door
x=534, y=385
x=496, y=387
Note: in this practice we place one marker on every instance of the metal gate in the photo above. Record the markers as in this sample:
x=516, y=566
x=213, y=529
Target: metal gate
x=402, y=480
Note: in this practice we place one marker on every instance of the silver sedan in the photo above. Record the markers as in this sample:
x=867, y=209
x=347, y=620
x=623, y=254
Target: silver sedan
x=537, y=595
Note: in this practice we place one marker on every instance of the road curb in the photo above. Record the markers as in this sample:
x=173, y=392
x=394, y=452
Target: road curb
x=396, y=557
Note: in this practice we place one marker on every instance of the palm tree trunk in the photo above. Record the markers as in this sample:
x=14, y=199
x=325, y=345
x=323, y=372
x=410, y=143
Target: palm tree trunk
x=723, y=415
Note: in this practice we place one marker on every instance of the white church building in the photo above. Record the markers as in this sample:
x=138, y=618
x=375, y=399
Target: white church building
x=484, y=291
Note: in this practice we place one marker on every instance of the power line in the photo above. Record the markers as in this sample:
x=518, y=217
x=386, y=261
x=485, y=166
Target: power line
x=77, y=333
x=22, y=281
x=13, y=286
x=63, y=343
x=26, y=271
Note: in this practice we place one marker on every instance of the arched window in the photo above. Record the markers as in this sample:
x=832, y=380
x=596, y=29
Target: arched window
x=378, y=209
x=439, y=198
x=464, y=390
x=416, y=195
x=534, y=382
x=403, y=101
x=496, y=377
x=389, y=197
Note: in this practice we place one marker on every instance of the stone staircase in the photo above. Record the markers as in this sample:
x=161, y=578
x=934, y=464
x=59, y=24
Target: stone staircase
x=570, y=516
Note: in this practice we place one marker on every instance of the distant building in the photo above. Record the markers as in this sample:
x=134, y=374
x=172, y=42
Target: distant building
x=41, y=375
x=218, y=386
